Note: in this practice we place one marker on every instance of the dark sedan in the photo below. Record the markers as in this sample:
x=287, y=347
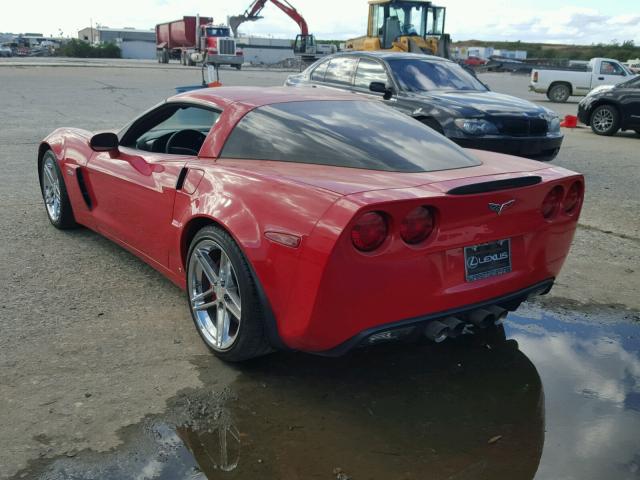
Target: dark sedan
x=444, y=96
x=610, y=108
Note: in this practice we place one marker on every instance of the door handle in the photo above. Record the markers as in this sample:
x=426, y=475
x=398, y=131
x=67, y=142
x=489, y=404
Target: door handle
x=600, y=78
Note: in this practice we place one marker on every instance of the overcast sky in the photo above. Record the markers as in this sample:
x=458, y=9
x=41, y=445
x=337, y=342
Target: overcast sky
x=568, y=21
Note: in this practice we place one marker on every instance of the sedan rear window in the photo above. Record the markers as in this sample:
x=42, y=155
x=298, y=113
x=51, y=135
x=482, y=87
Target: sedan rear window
x=355, y=134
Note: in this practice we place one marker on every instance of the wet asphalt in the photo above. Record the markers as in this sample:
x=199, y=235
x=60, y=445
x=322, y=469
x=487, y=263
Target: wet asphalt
x=549, y=395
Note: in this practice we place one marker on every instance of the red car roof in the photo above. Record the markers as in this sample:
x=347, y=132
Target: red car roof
x=252, y=97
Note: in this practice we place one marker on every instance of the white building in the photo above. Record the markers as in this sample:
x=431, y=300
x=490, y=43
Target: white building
x=134, y=43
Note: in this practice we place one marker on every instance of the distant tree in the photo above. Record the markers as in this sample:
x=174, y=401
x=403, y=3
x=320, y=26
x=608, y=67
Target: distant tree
x=80, y=49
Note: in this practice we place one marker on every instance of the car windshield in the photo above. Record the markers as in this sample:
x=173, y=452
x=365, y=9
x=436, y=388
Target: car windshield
x=354, y=134
x=415, y=75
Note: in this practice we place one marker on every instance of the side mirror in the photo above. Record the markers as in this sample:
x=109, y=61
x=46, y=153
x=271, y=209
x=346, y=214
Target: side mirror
x=379, y=87
x=104, y=142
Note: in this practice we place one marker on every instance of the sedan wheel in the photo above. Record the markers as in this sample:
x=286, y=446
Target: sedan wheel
x=604, y=120
x=54, y=193
x=51, y=188
x=215, y=295
x=223, y=297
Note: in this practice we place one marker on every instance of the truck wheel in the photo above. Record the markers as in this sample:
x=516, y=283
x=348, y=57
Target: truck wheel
x=183, y=58
x=165, y=56
x=559, y=93
x=605, y=120
x=238, y=67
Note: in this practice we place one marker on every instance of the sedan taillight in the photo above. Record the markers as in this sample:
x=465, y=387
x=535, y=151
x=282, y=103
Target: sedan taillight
x=369, y=231
x=572, y=200
x=551, y=203
x=417, y=225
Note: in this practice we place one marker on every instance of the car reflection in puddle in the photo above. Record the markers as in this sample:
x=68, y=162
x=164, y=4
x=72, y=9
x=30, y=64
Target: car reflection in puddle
x=469, y=409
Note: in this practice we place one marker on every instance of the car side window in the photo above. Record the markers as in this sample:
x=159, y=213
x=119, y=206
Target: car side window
x=171, y=128
x=369, y=71
x=340, y=70
x=610, y=68
x=318, y=73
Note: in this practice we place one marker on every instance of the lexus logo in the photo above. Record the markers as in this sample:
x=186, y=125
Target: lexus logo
x=499, y=207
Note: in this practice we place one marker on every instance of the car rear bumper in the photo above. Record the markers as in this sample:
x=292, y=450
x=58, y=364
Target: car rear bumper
x=536, y=148
x=415, y=326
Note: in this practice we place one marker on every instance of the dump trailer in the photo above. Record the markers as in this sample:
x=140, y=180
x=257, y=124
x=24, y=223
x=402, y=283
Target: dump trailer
x=415, y=26
x=193, y=40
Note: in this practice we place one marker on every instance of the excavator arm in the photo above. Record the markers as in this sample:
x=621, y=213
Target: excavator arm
x=253, y=13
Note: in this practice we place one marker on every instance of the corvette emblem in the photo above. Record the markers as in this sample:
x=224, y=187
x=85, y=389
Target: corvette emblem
x=499, y=207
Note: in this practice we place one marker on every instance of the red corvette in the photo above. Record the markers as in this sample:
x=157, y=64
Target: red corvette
x=315, y=221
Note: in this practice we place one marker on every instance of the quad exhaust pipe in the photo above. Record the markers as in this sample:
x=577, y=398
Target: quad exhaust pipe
x=438, y=330
x=456, y=326
x=482, y=318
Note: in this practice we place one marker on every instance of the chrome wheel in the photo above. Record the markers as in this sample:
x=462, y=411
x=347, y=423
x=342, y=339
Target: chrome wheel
x=51, y=188
x=214, y=295
x=602, y=120
x=559, y=93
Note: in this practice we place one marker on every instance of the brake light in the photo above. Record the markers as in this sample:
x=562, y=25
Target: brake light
x=535, y=76
x=417, y=225
x=573, y=198
x=369, y=231
x=551, y=203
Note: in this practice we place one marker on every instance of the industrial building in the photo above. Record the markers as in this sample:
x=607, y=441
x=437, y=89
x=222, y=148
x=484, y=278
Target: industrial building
x=133, y=43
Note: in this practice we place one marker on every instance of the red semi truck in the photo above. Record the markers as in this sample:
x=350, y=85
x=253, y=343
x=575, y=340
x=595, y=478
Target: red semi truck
x=195, y=40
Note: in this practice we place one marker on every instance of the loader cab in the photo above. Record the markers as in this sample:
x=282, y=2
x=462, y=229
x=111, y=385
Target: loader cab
x=390, y=20
x=305, y=46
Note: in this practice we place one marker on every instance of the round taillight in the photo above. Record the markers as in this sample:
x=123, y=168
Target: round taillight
x=551, y=202
x=369, y=231
x=417, y=225
x=572, y=200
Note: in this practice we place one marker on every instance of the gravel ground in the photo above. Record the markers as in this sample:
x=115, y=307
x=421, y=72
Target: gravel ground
x=93, y=340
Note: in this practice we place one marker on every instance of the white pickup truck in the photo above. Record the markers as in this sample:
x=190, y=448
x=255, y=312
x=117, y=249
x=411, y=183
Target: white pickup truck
x=560, y=84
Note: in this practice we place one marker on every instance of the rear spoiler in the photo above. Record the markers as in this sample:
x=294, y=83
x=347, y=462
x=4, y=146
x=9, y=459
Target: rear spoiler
x=495, y=185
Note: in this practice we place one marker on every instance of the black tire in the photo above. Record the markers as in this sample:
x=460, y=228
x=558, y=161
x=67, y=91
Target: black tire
x=605, y=120
x=64, y=219
x=250, y=339
x=238, y=67
x=559, y=93
x=637, y=130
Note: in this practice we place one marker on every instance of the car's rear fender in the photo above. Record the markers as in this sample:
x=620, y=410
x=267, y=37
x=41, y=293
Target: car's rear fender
x=247, y=205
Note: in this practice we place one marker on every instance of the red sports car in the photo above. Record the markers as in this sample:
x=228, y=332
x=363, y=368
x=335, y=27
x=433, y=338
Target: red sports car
x=315, y=221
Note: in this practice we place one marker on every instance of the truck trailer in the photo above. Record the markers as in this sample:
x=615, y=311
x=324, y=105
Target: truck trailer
x=193, y=40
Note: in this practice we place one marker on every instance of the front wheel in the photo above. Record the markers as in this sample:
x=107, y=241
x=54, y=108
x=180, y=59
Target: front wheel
x=223, y=297
x=605, y=120
x=54, y=193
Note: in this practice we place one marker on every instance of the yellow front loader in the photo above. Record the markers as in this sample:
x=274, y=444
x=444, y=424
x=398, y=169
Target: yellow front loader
x=404, y=26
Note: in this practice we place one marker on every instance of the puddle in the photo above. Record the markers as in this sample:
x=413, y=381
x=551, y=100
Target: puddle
x=550, y=396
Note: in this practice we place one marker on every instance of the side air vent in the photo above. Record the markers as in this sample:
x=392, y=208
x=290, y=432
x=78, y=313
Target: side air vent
x=83, y=188
x=495, y=185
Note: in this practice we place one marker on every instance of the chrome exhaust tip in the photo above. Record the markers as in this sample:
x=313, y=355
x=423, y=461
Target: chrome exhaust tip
x=482, y=318
x=500, y=314
x=456, y=326
x=436, y=331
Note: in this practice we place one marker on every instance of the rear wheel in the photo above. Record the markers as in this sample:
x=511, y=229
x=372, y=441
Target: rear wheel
x=605, y=120
x=559, y=93
x=637, y=130
x=223, y=298
x=54, y=193
x=238, y=67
